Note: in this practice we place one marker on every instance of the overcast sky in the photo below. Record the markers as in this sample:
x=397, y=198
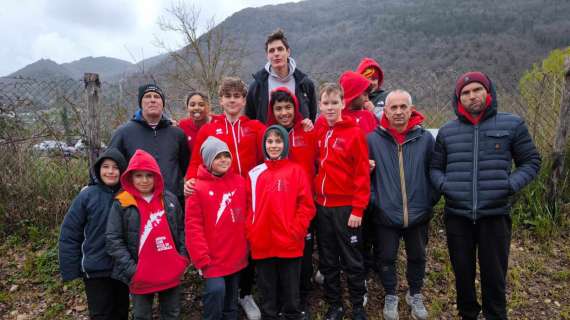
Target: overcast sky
x=67, y=30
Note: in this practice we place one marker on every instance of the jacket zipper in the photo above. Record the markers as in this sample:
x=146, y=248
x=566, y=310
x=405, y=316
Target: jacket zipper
x=83, y=253
x=403, y=184
x=475, y=170
x=327, y=137
x=235, y=142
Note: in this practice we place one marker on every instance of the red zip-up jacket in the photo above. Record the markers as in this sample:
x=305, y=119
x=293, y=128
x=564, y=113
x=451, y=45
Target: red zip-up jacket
x=302, y=144
x=343, y=177
x=243, y=138
x=190, y=129
x=280, y=208
x=215, y=224
x=364, y=119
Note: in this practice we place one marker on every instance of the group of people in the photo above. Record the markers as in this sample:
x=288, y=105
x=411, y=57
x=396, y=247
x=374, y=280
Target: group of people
x=243, y=195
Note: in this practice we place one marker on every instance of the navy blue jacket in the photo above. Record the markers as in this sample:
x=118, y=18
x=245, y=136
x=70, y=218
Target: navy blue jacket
x=82, y=238
x=167, y=144
x=387, y=199
x=472, y=164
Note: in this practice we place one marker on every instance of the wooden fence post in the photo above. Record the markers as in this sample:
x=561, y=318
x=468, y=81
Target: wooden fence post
x=92, y=92
x=561, y=137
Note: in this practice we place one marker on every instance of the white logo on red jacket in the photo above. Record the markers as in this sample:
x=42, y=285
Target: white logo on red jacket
x=161, y=244
x=226, y=200
x=153, y=221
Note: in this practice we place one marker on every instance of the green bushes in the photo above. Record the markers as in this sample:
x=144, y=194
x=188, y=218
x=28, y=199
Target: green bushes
x=35, y=191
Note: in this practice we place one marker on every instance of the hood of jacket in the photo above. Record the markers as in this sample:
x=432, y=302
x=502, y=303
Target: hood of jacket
x=144, y=161
x=416, y=119
x=284, y=135
x=292, y=66
x=113, y=154
x=298, y=117
x=366, y=63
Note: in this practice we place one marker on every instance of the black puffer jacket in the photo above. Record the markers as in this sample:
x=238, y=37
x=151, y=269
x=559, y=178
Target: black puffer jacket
x=258, y=96
x=472, y=164
x=123, y=234
x=167, y=144
x=391, y=208
x=82, y=237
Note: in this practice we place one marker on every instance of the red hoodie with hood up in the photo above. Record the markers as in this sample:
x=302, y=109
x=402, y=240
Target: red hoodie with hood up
x=243, y=138
x=302, y=144
x=343, y=177
x=159, y=266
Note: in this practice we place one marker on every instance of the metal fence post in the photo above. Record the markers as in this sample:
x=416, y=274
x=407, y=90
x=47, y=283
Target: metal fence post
x=92, y=93
x=561, y=137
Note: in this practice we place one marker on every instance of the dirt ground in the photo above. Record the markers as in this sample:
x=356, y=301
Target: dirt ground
x=538, y=283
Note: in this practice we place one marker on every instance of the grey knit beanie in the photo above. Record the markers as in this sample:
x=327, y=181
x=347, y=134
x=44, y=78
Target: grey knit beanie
x=211, y=148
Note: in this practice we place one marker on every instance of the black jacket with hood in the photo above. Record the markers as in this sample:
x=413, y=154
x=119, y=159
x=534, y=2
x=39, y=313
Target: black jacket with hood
x=257, y=100
x=167, y=144
x=82, y=238
x=401, y=193
x=472, y=164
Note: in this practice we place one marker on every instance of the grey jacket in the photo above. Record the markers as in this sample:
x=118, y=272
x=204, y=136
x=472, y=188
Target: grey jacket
x=472, y=164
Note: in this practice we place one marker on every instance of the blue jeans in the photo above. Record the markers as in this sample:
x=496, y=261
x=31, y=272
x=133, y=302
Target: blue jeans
x=220, y=297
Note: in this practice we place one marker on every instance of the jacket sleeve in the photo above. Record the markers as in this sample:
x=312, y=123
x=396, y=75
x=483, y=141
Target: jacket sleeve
x=251, y=101
x=438, y=163
x=526, y=157
x=117, y=142
x=115, y=242
x=184, y=153
x=361, y=175
x=305, y=208
x=70, y=239
x=435, y=193
x=260, y=132
x=196, y=159
x=180, y=226
x=311, y=94
x=195, y=232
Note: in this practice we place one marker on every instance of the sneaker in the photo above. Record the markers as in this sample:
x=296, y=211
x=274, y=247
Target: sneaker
x=250, y=307
x=319, y=278
x=416, y=302
x=390, y=307
x=359, y=314
x=306, y=315
x=335, y=312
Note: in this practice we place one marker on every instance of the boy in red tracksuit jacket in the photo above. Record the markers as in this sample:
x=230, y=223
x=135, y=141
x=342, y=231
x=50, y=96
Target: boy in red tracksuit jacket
x=342, y=188
x=145, y=237
x=243, y=137
x=284, y=110
x=355, y=88
x=280, y=210
x=215, y=230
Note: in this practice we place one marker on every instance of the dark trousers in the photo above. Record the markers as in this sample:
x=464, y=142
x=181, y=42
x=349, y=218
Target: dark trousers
x=278, y=282
x=246, y=279
x=386, y=252
x=107, y=299
x=488, y=238
x=368, y=240
x=168, y=303
x=340, y=249
x=220, y=297
x=307, y=267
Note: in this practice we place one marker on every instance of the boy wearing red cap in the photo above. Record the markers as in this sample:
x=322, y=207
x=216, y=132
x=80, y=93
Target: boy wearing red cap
x=355, y=88
x=371, y=70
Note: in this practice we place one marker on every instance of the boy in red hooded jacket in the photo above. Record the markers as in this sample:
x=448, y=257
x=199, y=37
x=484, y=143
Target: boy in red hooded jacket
x=342, y=188
x=145, y=237
x=215, y=230
x=280, y=211
x=355, y=88
x=284, y=110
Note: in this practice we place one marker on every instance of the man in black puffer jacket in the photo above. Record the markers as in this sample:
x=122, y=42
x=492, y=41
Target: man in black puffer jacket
x=472, y=166
x=401, y=198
